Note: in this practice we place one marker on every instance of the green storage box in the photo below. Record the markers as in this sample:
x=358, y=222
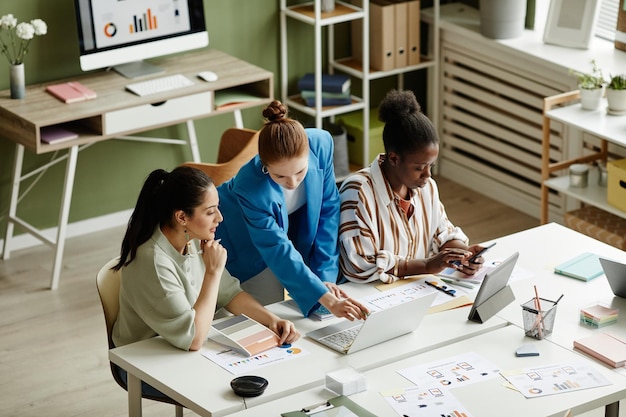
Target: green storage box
x=353, y=123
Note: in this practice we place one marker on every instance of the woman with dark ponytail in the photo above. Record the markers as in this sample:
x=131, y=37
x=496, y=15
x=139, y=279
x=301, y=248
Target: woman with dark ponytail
x=173, y=270
x=282, y=218
x=393, y=224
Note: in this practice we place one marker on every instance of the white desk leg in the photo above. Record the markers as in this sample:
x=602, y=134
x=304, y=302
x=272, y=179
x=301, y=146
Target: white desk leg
x=193, y=141
x=66, y=198
x=238, y=118
x=15, y=190
x=133, y=385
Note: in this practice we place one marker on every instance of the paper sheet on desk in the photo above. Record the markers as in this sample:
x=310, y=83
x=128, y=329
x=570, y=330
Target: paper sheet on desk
x=237, y=364
x=393, y=293
x=518, y=272
x=555, y=379
x=436, y=401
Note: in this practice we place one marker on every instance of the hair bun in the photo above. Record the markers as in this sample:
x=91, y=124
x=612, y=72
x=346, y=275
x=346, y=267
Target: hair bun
x=275, y=111
x=398, y=105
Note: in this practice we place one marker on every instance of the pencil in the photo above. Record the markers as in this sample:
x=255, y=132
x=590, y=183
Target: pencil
x=539, y=318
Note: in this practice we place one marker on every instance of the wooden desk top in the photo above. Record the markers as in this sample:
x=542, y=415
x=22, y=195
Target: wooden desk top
x=22, y=119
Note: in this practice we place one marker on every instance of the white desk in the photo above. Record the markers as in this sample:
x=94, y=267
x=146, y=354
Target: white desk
x=483, y=399
x=555, y=244
x=203, y=386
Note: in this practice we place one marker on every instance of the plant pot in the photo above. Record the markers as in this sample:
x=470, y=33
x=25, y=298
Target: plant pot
x=591, y=99
x=17, y=81
x=502, y=19
x=616, y=100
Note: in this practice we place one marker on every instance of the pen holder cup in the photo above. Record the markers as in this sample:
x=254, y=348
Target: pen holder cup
x=538, y=322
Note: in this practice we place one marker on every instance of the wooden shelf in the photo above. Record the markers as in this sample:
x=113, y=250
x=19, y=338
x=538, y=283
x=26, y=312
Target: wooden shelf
x=24, y=118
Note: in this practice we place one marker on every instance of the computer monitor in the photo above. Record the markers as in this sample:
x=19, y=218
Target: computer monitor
x=122, y=33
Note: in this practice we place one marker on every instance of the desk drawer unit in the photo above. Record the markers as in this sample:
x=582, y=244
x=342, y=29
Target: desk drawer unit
x=167, y=112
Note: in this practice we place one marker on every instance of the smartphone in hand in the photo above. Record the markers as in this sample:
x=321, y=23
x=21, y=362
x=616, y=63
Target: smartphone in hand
x=479, y=253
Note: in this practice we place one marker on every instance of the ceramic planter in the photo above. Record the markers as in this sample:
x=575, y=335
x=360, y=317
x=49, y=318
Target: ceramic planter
x=591, y=99
x=616, y=100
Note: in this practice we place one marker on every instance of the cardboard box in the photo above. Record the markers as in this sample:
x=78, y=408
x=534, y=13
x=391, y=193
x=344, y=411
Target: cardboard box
x=353, y=123
x=598, y=224
x=616, y=185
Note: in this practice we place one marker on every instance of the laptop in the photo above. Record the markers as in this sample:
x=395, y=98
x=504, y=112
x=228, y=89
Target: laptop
x=616, y=275
x=351, y=336
x=495, y=281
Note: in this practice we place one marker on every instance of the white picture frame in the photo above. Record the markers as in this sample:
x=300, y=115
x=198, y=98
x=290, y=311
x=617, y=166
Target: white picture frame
x=570, y=23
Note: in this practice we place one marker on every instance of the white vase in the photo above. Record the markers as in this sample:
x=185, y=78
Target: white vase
x=616, y=100
x=591, y=99
x=502, y=19
x=17, y=81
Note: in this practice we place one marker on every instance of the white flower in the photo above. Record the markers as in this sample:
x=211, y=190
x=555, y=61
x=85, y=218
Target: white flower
x=15, y=37
x=40, y=27
x=25, y=31
x=8, y=21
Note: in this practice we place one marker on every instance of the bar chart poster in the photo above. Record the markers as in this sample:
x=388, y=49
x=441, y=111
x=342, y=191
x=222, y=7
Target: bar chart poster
x=555, y=379
x=122, y=21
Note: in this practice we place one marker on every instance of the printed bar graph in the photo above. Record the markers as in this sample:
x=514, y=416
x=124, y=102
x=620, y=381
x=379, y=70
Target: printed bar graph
x=141, y=23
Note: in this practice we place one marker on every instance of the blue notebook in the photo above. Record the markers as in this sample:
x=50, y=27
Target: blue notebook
x=584, y=267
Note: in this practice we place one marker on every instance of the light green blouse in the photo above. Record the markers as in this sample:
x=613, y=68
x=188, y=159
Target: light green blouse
x=158, y=291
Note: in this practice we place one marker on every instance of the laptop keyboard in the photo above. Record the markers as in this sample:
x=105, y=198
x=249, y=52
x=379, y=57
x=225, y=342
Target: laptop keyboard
x=341, y=340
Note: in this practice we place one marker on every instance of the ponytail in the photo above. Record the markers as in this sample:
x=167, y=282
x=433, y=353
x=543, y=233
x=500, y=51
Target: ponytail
x=161, y=195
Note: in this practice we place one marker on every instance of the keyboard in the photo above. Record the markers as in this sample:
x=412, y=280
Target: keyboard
x=159, y=85
x=343, y=339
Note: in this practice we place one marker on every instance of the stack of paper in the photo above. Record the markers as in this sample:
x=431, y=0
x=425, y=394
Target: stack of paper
x=598, y=315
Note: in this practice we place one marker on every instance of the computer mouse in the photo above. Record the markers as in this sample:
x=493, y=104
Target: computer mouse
x=209, y=76
x=249, y=385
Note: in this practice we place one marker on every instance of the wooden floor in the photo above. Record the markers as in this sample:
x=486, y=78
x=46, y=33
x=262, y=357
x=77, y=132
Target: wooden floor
x=53, y=354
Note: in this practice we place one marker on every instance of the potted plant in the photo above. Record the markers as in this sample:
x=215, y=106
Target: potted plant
x=616, y=94
x=591, y=86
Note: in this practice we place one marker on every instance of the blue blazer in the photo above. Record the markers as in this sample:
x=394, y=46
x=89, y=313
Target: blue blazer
x=256, y=222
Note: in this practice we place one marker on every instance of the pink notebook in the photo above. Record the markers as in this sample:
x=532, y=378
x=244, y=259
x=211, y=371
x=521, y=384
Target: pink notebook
x=56, y=134
x=608, y=348
x=71, y=92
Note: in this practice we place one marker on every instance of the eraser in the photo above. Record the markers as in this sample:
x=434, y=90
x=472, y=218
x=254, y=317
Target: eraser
x=527, y=350
x=345, y=381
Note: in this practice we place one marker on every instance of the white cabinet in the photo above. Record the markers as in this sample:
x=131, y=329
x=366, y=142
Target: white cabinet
x=357, y=10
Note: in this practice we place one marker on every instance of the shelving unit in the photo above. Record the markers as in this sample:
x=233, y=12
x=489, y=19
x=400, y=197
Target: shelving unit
x=311, y=14
x=609, y=130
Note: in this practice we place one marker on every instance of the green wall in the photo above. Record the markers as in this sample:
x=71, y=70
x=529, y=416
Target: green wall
x=109, y=174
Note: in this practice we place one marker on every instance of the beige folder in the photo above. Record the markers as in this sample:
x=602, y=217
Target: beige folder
x=413, y=31
x=382, y=35
x=401, y=37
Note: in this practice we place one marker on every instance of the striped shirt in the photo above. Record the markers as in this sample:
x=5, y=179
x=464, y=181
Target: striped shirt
x=375, y=233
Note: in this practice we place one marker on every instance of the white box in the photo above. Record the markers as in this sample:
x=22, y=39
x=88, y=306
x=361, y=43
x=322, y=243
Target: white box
x=345, y=381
